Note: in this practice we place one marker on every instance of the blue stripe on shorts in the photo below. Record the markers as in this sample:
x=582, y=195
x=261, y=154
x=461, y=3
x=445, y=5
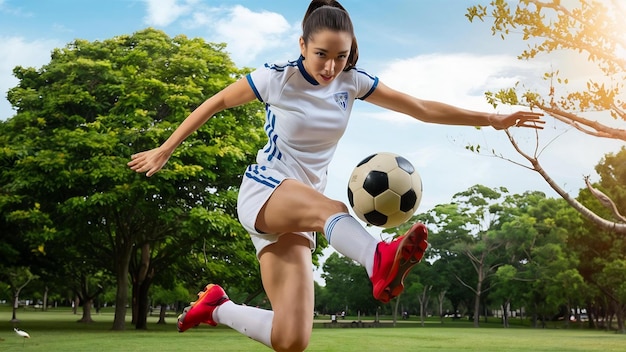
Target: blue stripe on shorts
x=255, y=172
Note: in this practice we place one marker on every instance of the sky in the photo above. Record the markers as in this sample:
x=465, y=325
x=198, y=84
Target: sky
x=425, y=48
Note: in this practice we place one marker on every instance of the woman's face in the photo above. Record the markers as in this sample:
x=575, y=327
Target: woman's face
x=326, y=54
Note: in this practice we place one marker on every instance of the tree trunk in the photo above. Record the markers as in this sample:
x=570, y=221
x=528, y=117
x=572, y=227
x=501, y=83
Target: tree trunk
x=45, y=299
x=142, y=278
x=479, y=286
x=423, y=298
x=162, y=314
x=86, y=298
x=87, y=303
x=122, y=261
x=395, y=311
x=143, y=305
x=505, y=313
x=441, y=297
x=75, y=304
x=16, y=304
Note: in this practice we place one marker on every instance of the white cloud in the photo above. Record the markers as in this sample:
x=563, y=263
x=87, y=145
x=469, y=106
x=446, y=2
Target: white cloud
x=15, y=51
x=458, y=79
x=165, y=12
x=247, y=33
x=250, y=33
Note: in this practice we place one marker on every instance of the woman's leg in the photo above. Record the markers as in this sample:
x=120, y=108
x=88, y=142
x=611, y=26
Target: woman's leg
x=296, y=207
x=287, y=275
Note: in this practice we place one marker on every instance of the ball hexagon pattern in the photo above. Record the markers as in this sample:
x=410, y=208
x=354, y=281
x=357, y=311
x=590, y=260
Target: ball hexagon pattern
x=384, y=190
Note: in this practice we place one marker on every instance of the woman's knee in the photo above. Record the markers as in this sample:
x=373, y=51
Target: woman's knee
x=291, y=339
x=337, y=207
x=292, y=327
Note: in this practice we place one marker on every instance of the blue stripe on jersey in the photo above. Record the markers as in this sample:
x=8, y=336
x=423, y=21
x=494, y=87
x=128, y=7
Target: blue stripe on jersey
x=278, y=68
x=272, y=148
x=256, y=92
x=365, y=73
x=281, y=68
x=374, y=78
x=254, y=172
x=371, y=89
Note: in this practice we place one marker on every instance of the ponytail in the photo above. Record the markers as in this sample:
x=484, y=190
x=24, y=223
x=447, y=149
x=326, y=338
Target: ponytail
x=329, y=14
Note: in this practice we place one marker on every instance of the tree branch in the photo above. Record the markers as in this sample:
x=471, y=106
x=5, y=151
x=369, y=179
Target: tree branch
x=604, y=200
x=590, y=215
x=597, y=129
x=464, y=284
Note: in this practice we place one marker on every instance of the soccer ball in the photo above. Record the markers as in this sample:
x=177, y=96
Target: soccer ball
x=384, y=190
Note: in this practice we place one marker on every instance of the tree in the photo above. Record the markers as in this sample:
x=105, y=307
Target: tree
x=162, y=298
x=447, y=226
x=506, y=290
x=602, y=252
x=540, y=272
x=18, y=278
x=479, y=206
x=593, y=28
x=421, y=283
x=78, y=120
x=347, y=286
x=442, y=281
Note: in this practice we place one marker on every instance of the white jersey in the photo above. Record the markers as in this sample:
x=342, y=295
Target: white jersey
x=304, y=121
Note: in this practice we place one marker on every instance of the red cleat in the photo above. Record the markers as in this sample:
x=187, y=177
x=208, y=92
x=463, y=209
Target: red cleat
x=394, y=260
x=201, y=311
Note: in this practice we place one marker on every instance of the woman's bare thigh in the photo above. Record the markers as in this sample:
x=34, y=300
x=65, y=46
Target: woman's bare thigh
x=296, y=207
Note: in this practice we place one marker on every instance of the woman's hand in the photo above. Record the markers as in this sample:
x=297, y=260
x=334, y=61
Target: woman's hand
x=149, y=161
x=517, y=119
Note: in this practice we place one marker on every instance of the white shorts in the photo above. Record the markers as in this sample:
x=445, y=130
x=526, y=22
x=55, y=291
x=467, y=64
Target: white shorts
x=258, y=184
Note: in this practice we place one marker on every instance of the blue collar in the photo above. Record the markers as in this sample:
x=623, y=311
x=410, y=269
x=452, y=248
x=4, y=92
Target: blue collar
x=306, y=75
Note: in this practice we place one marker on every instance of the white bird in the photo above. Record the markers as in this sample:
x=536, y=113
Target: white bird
x=22, y=333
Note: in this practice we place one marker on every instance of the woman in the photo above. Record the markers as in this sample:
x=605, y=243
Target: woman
x=281, y=204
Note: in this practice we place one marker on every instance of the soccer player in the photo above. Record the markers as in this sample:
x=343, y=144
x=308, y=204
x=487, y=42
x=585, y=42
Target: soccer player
x=281, y=203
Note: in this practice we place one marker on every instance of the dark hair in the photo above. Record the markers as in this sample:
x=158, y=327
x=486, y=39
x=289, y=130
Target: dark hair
x=329, y=14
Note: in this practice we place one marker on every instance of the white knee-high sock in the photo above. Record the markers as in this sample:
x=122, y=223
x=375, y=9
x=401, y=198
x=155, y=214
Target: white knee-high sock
x=349, y=238
x=253, y=322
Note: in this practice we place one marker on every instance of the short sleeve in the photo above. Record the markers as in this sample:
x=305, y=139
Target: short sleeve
x=259, y=81
x=364, y=82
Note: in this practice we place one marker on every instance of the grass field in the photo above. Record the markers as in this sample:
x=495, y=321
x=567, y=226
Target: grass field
x=58, y=331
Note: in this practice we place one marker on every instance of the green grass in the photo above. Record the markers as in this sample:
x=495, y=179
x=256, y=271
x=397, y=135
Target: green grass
x=58, y=330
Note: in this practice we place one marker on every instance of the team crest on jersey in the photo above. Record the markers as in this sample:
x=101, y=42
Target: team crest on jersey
x=341, y=99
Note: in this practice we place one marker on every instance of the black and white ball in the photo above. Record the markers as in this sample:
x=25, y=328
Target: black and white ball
x=384, y=190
